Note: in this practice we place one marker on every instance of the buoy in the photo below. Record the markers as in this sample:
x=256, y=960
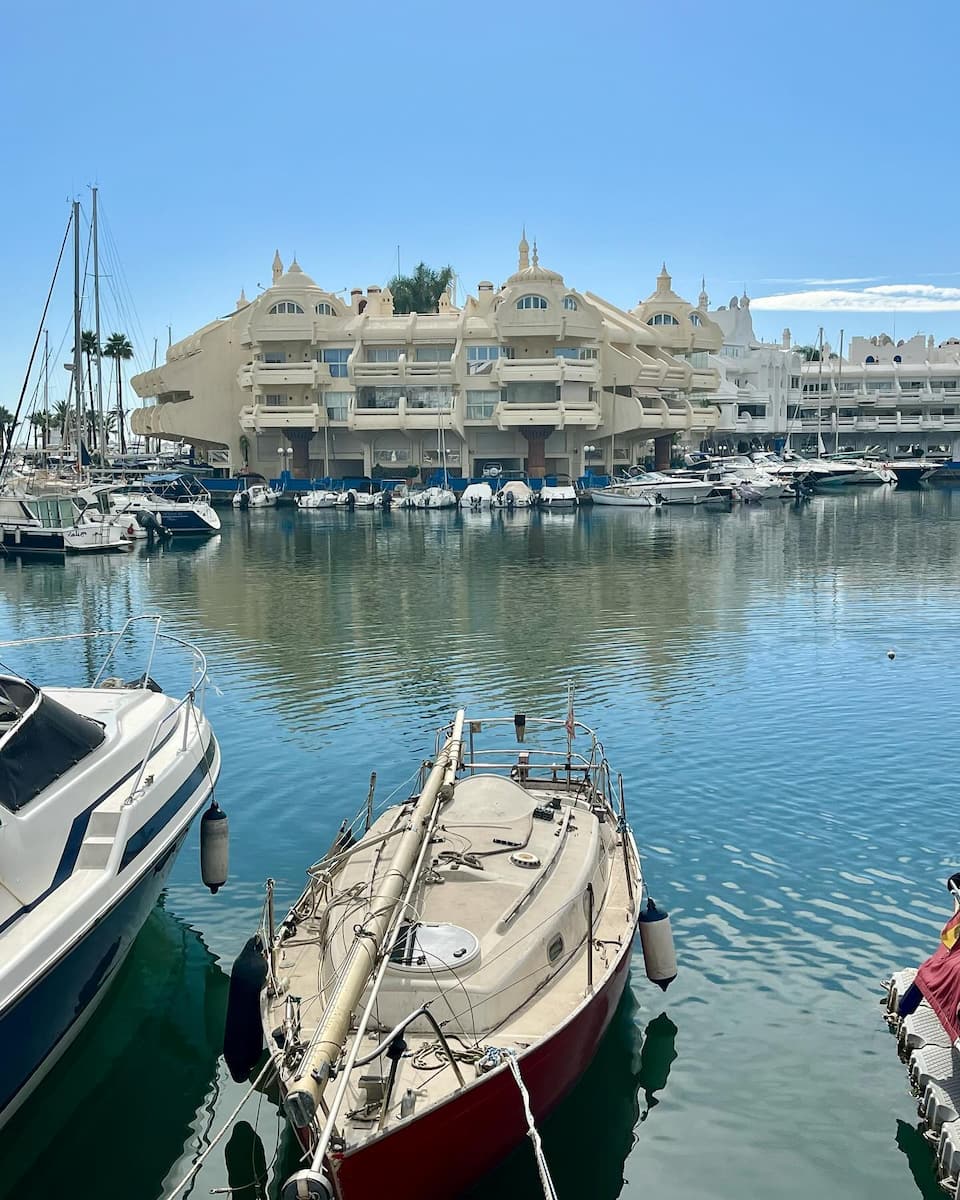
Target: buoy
x=214, y=847
x=307, y=1185
x=243, y=1033
x=891, y=654
x=656, y=939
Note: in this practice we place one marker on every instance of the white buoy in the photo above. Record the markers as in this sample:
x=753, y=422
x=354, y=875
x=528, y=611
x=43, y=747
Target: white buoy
x=307, y=1185
x=214, y=847
x=656, y=939
x=891, y=654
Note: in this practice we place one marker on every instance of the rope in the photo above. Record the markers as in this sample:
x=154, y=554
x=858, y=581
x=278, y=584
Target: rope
x=549, y=1191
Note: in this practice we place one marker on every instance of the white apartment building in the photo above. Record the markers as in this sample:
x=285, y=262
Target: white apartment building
x=532, y=375
x=898, y=396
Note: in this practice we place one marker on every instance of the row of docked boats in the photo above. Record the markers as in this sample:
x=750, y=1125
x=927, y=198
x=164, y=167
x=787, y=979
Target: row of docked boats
x=443, y=980
x=475, y=497
x=107, y=516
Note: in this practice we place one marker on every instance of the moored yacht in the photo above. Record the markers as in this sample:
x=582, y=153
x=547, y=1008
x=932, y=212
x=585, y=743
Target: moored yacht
x=451, y=959
x=661, y=488
x=558, y=495
x=98, y=787
x=515, y=493
x=55, y=525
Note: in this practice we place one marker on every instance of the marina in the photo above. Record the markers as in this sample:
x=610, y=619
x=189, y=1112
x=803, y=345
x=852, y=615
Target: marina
x=727, y=657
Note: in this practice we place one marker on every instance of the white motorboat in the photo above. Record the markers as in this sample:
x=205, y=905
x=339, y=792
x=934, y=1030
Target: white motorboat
x=514, y=494
x=740, y=470
x=177, y=503
x=664, y=489
x=352, y=498
x=55, y=525
x=451, y=959
x=477, y=496
x=558, y=495
x=98, y=787
x=320, y=498
x=623, y=495
x=434, y=497
x=257, y=495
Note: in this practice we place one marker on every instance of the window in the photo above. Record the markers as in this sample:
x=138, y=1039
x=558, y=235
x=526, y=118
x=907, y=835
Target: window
x=699, y=358
x=480, y=359
x=663, y=319
x=897, y=358
x=570, y=304
x=870, y=359
x=336, y=359
x=274, y=400
x=337, y=404
x=434, y=353
x=480, y=405
x=695, y=319
x=532, y=302
x=323, y=309
x=383, y=354
x=794, y=381
x=733, y=351
x=582, y=353
x=555, y=949
x=274, y=356
x=285, y=308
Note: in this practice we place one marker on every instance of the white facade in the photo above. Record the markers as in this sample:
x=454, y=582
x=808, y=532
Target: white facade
x=533, y=375
x=893, y=395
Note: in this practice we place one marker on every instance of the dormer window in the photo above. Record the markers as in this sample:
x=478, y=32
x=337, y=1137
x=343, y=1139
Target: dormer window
x=870, y=358
x=323, y=309
x=532, y=302
x=570, y=304
x=285, y=308
x=663, y=319
x=695, y=319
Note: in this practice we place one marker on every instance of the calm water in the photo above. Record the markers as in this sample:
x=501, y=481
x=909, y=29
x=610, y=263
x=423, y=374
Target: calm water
x=791, y=788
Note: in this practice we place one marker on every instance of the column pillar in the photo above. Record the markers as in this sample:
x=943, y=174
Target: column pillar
x=536, y=437
x=662, y=446
x=300, y=441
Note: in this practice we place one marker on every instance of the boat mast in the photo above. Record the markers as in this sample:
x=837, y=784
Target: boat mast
x=96, y=307
x=77, y=351
x=820, y=396
x=372, y=944
x=46, y=396
x=836, y=440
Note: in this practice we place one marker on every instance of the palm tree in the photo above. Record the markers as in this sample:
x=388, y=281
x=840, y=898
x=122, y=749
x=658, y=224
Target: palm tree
x=808, y=353
x=41, y=425
x=119, y=349
x=419, y=292
x=61, y=416
x=88, y=344
x=6, y=427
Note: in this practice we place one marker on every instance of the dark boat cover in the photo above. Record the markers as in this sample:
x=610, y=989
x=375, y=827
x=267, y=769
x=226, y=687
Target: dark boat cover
x=41, y=748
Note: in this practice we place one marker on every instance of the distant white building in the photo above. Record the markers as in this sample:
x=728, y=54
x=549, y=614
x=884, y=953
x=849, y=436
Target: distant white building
x=760, y=382
x=897, y=396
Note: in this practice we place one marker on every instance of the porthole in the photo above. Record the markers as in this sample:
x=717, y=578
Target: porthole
x=555, y=949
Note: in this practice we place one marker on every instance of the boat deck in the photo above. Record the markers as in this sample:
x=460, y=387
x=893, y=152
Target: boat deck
x=499, y=948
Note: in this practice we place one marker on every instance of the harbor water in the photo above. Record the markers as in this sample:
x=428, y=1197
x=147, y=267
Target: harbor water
x=791, y=786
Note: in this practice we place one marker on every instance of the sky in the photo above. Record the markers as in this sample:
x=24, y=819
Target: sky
x=805, y=152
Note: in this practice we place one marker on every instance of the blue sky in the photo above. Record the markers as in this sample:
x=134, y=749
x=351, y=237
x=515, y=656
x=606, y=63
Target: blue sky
x=763, y=144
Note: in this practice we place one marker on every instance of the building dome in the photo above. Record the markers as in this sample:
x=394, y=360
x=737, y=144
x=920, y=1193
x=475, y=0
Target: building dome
x=295, y=277
x=532, y=273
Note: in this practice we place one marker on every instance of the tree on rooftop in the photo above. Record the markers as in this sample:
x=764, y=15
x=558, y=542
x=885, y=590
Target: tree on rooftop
x=420, y=292
x=809, y=353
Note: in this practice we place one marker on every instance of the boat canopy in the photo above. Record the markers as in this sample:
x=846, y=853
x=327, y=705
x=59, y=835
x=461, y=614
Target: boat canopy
x=40, y=740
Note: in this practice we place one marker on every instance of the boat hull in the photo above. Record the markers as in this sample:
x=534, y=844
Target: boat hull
x=465, y=1138
x=41, y=1024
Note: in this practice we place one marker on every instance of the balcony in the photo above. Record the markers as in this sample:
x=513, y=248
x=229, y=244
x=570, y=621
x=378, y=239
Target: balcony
x=257, y=418
x=545, y=370
x=266, y=376
x=404, y=414
x=512, y=414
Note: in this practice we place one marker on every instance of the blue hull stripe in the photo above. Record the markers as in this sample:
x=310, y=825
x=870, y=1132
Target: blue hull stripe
x=138, y=841
x=78, y=831
x=34, y=1025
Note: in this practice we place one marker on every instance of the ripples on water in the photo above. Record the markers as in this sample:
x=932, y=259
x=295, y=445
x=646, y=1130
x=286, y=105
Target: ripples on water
x=790, y=785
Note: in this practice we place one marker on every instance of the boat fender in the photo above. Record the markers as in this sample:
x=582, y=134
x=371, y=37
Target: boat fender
x=243, y=1033
x=307, y=1185
x=656, y=940
x=214, y=847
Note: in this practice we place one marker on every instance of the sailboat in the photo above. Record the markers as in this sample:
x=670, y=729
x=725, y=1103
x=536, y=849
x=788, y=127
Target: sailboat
x=451, y=965
x=436, y=496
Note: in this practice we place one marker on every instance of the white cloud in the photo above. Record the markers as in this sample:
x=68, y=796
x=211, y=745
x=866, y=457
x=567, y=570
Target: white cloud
x=892, y=297
x=826, y=282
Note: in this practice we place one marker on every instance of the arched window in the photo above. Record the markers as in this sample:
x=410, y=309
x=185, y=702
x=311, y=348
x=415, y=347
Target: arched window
x=695, y=319
x=323, y=309
x=663, y=319
x=570, y=304
x=870, y=359
x=285, y=308
x=532, y=302
x=897, y=358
